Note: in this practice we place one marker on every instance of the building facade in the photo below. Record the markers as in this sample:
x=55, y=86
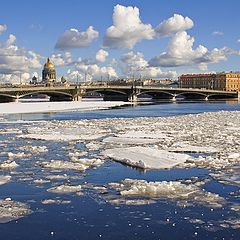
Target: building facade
x=48, y=73
x=215, y=81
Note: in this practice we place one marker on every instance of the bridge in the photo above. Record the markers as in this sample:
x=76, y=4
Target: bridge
x=75, y=92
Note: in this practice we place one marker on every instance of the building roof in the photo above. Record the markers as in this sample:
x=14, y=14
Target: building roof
x=48, y=64
x=199, y=75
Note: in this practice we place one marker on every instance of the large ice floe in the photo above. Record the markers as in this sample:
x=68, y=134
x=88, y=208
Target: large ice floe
x=12, y=210
x=146, y=157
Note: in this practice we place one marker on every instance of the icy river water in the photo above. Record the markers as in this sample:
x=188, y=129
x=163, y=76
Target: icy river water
x=89, y=175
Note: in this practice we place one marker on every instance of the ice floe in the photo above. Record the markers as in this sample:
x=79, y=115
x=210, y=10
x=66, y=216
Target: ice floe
x=184, y=147
x=65, y=165
x=55, y=201
x=146, y=157
x=12, y=210
x=62, y=189
x=4, y=179
x=185, y=194
x=134, y=141
x=8, y=164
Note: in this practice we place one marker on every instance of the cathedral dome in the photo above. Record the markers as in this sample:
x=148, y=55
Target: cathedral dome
x=48, y=64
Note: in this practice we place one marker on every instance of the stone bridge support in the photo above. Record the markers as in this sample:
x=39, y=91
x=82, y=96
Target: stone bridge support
x=132, y=97
x=78, y=94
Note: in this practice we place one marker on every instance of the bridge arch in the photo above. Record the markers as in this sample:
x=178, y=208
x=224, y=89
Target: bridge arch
x=54, y=95
x=220, y=96
x=111, y=94
x=106, y=91
x=156, y=94
x=193, y=95
x=7, y=98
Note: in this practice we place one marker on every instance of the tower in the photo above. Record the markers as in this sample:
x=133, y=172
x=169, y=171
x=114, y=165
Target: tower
x=48, y=73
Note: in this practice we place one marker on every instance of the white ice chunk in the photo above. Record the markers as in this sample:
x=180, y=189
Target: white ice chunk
x=146, y=157
x=16, y=155
x=184, y=194
x=123, y=140
x=57, y=177
x=55, y=201
x=12, y=210
x=4, y=179
x=142, y=134
x=65, y=189
x=57, y=164
x=184, y=147
x=8, y=164
x=51, y=137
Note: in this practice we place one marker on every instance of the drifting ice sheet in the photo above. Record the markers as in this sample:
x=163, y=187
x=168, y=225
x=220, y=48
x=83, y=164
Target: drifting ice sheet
x=146, y=157
x=11, y=210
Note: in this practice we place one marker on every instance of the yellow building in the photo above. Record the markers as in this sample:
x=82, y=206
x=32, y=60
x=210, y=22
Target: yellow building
x=219, y=81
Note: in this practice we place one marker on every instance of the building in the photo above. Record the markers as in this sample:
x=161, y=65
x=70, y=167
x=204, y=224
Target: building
x=34, y=80
x=48, y=73
x=215, y=81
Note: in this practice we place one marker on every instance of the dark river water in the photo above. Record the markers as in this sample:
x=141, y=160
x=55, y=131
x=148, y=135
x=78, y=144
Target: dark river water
x=90, y=216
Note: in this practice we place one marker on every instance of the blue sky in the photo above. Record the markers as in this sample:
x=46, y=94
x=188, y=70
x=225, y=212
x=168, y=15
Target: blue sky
x=202, y=36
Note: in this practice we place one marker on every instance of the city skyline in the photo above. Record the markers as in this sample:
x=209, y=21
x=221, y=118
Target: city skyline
x=114, y=39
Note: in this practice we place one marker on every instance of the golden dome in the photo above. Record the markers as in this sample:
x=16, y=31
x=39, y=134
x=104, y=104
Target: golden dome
x=48, y=64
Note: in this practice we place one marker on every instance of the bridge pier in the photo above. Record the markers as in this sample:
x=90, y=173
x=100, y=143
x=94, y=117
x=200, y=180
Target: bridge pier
x=174, y=97
x=132, y=98
x=77, y=98
x=16, y=99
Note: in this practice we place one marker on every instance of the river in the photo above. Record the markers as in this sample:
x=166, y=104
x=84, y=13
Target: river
x=91, y=213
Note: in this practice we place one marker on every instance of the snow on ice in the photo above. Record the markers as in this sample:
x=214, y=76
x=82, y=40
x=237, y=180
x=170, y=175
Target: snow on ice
x=146, y=157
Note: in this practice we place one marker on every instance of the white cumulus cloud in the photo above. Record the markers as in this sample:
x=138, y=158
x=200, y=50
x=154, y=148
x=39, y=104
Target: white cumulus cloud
x=174, y=24
x=135, y=65
x=88, y=70
x=61, y=59
x=101, y=55
x=15, y=61
x=73, y=38
x=180, y=52
x=127, y=28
